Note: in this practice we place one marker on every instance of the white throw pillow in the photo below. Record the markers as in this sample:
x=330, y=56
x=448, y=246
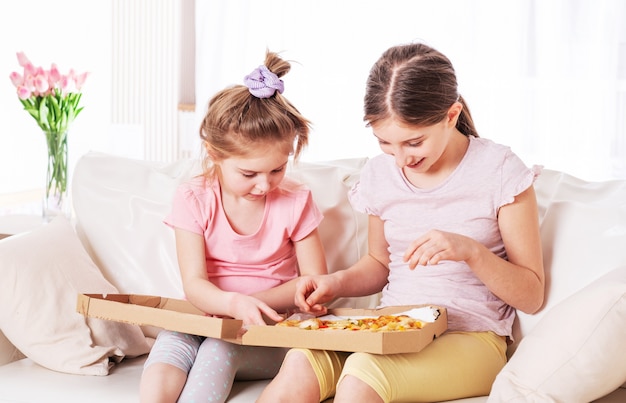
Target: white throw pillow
x=582, y=236
x=120, y=204
x=576, y=353
x=42, y=273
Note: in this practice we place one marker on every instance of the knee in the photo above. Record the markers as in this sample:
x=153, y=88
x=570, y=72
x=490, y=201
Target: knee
x=351, y=388
x=295, y=378
x=173, y=348
x=161, y=383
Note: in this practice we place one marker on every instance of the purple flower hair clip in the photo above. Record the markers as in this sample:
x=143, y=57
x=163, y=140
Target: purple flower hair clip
x=262, y=83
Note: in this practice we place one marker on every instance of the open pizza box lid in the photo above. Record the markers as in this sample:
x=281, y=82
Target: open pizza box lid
x=149, y=310
x=182, y=316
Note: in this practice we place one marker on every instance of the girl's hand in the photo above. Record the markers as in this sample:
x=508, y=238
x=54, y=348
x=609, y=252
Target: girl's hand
x=250, y=310
x=313, y=291
x=435, y=246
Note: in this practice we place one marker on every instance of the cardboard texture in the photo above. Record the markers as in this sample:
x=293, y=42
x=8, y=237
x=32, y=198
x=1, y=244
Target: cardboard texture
x=406, y=341
x=167, y=313
x=179, y=315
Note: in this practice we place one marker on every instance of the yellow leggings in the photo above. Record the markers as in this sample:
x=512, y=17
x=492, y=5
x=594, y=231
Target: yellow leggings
x=453, y=366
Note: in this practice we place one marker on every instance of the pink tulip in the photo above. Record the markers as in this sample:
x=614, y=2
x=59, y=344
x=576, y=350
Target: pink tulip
x=29, y=81
x=35, y=85
x=16, y=79
x=54, y=74
x=80, y=80
x=41, y=83
x=66, y=84
x=22, y=59
x=23, y=92
x=29, y=69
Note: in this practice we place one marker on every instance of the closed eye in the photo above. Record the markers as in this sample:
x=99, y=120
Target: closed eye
x=278, y=170
x=249, y=174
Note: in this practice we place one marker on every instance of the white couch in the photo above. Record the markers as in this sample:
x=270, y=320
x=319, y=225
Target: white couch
x=573, y=350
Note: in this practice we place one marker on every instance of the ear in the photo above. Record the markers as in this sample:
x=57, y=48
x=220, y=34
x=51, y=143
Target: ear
x=453, y=114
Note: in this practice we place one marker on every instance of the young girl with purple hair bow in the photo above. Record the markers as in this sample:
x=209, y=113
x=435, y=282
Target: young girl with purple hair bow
x=239, y=254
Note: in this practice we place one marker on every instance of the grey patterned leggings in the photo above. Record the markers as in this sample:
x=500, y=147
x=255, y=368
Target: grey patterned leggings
x=212, y=365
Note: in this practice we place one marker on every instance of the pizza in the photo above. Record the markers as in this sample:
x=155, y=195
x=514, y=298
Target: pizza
x=383, y=323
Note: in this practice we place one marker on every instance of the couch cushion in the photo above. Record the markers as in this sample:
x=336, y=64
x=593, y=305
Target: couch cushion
x=583, y=232
x=42, y=273
x=575, y=353
x=119, y=206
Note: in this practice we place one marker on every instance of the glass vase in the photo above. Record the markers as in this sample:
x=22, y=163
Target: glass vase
x=55, y=199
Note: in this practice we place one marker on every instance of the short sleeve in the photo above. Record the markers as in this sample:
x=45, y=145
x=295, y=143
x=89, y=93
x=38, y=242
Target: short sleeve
x=192, y=205
x=357, y=195
x=307, y=216
x=516, y=177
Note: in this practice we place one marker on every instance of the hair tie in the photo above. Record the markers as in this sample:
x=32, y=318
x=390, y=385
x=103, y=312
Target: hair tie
x=262, y=83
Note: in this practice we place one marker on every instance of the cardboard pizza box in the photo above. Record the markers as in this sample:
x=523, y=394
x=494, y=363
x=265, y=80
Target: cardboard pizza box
x=379, y=342
x=179, y=315
x=149, y=310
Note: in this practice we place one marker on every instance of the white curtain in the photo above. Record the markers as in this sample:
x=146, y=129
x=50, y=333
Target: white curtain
x=546, y=77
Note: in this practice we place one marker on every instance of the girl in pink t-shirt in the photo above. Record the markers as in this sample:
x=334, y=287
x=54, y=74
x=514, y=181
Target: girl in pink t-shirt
x=453, y=222
x=244, y=233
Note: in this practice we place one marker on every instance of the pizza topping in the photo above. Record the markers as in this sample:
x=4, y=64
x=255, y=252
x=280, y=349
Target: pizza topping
x=375, y=324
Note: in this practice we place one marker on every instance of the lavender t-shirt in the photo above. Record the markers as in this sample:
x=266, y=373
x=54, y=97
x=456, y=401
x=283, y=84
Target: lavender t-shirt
x=254, y=262
x=467, y=202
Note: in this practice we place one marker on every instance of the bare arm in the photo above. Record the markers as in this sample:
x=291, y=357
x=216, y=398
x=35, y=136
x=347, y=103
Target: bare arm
x=206, y=296
x=311, y=261
x=518, y=281
x=365, y=277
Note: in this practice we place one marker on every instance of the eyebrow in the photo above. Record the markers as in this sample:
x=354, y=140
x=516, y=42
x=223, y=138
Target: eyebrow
x=248, y=171
x=418, y=138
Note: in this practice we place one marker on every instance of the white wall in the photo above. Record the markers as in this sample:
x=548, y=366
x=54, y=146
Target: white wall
x=547, y=78
x=327, y=80
x=74, y=34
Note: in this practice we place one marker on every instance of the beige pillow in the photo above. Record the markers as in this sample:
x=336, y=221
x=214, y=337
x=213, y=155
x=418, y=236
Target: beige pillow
x=575, y=353
x=42, y=273
x=8, y=352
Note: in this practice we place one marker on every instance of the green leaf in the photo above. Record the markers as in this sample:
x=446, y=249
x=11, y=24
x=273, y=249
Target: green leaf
x=43, y=113
x=53, y=112
x=55, y=105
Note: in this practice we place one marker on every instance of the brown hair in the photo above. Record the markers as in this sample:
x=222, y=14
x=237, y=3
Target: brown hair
x=236, y=121
x=416, y=85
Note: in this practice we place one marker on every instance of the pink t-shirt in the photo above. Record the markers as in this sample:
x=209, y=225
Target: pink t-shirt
x=467, y=202
x=247, y=263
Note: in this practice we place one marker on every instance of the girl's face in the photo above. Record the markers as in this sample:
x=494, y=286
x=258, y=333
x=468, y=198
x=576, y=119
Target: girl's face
x=253, y=176
x=417, y=149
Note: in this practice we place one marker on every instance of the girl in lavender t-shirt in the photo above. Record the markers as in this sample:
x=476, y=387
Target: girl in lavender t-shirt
x=244, y=233
x=453, y=222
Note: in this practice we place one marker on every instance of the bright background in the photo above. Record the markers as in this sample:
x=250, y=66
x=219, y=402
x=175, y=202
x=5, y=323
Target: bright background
x=547, y=78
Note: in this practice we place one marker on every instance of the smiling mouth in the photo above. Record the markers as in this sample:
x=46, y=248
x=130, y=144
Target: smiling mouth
x=415, y=165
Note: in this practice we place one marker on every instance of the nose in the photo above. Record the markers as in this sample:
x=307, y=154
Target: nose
x=263, y=183
x=401, y=158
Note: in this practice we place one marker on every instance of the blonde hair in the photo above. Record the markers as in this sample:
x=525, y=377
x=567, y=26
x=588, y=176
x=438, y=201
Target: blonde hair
x=236, y=121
